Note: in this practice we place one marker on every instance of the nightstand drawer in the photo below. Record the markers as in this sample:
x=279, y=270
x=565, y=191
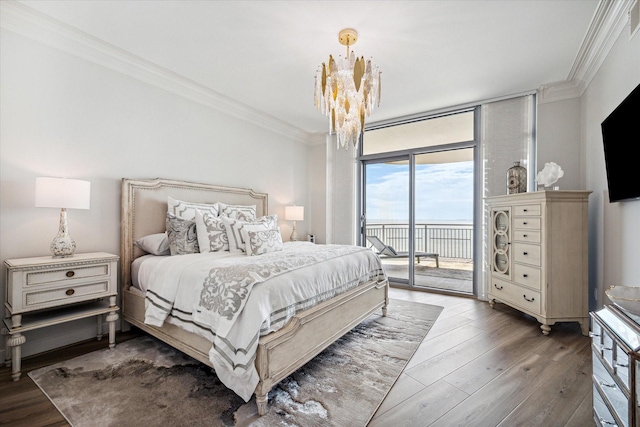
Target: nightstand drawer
x=65, y=295
x=65, y=274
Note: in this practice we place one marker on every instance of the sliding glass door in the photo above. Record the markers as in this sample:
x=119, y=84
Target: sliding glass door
x=418, y=198
x=386, y=214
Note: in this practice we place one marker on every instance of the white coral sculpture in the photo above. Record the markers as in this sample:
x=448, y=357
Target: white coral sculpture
x=549, y=174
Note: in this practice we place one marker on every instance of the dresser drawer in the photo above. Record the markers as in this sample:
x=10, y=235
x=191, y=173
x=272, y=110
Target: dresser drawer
x=602, y=412
x=68, y=274
x=526, y=223
x=610, y=391
x=527, y=275
x=65, y=295
x=517, y=295
x=527, y=210
x=528, y=236
x=526, y=253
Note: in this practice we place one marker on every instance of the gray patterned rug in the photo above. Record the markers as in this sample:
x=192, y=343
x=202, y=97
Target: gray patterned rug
x=143, y=382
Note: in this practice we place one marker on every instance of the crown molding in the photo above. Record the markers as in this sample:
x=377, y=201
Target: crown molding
x=609, y=21
x=27, y=22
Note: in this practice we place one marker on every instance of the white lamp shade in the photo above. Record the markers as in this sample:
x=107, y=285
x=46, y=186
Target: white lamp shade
x=63, y=193
x=294, y=213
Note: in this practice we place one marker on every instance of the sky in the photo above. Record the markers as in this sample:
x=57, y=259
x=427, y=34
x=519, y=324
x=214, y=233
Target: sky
x=444, y=192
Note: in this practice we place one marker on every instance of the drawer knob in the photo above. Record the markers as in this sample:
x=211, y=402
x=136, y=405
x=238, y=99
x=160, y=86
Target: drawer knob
x=70, y=273
x=70, y=292
x=498, y=287
x=525, y=275
x=525, y=223
x=525, y=253
x=527, y=299
x=524, y=235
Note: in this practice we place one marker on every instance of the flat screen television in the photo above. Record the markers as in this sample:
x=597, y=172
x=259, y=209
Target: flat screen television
x=621, y=138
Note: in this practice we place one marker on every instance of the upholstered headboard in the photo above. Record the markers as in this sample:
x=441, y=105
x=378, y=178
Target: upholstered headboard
x=144, y=209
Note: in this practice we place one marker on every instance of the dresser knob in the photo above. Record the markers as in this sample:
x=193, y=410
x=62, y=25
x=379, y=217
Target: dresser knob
x=525, y=253
x=70, y=292
x=527, y=299
x=71, y=273
x=498, y=287
x=525, y=275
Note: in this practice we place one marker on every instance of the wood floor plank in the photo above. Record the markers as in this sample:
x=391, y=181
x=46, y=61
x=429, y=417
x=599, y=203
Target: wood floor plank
x=422, y=408
x=554, y=403
x=458, y=357
x=477, y=373
x=490, y=405
x=431, y=347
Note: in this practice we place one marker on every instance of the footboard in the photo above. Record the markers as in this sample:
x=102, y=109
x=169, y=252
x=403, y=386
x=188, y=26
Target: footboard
x=308, y=333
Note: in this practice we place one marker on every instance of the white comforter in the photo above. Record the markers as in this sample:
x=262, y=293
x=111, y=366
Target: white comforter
x=232, y=299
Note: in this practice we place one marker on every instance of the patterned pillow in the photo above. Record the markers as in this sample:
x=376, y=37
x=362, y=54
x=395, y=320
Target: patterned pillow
x=154, y=244
x=260, y=241
x=241, y=212
x=187, y=210
x=182, y=235
x=212, y=236
x=233, y=228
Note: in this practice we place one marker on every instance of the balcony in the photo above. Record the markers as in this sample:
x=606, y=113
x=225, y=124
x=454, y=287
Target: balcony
x=452, y=242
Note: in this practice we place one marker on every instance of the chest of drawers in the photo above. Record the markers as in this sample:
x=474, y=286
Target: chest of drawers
x=538, y=255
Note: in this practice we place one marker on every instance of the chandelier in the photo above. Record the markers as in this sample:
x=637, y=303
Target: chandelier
x=346, y=90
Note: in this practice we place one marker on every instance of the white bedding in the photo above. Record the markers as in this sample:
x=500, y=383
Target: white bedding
x=232, y=299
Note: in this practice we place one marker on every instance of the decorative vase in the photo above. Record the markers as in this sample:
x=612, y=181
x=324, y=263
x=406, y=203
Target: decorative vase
x=516, y=179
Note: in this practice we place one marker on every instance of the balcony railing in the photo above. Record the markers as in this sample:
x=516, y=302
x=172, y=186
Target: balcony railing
x=449, y=241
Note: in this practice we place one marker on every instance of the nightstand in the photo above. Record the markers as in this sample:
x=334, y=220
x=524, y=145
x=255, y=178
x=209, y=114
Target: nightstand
x=46, y=291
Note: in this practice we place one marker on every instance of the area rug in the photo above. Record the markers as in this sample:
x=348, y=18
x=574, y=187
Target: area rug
x=144, y=382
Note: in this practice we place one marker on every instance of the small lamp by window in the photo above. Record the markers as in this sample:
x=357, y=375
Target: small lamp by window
x=294, y=213
x=64, y=194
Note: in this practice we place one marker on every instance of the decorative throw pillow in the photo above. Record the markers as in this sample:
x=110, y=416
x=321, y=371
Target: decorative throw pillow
x=187, y=210
x=241, y=212
x=212, y=236
x=154, y=244
x=233, y=228
x=182, y=235
x=259, y=241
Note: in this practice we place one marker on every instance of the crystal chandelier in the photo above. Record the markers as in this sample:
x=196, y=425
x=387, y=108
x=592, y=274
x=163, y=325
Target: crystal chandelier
x=347, y=90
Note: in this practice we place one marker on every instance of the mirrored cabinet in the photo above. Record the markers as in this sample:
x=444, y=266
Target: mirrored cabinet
x=615, y=344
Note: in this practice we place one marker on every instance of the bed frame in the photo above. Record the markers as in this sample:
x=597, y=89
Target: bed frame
x=279, y=354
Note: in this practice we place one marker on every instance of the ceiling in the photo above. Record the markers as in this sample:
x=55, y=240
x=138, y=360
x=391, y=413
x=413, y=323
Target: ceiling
x=264, y=54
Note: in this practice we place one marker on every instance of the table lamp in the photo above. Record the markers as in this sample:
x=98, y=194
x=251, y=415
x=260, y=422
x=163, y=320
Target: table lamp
x=294, y=213
x=64, y=194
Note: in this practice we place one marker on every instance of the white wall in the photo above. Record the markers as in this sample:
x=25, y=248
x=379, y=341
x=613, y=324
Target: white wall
x=614, y=227
x=558, y=140
x=64, y=116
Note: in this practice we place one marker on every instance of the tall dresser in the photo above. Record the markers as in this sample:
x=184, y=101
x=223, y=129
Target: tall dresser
x=538, y=255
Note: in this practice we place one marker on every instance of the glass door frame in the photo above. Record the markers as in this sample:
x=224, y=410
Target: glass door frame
x=478, y=263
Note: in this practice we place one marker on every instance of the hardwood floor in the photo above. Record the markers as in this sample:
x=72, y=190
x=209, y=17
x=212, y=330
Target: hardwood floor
x=477, y=367
x=491, y=367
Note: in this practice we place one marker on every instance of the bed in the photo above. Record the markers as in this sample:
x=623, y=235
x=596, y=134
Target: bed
x=279, y=353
